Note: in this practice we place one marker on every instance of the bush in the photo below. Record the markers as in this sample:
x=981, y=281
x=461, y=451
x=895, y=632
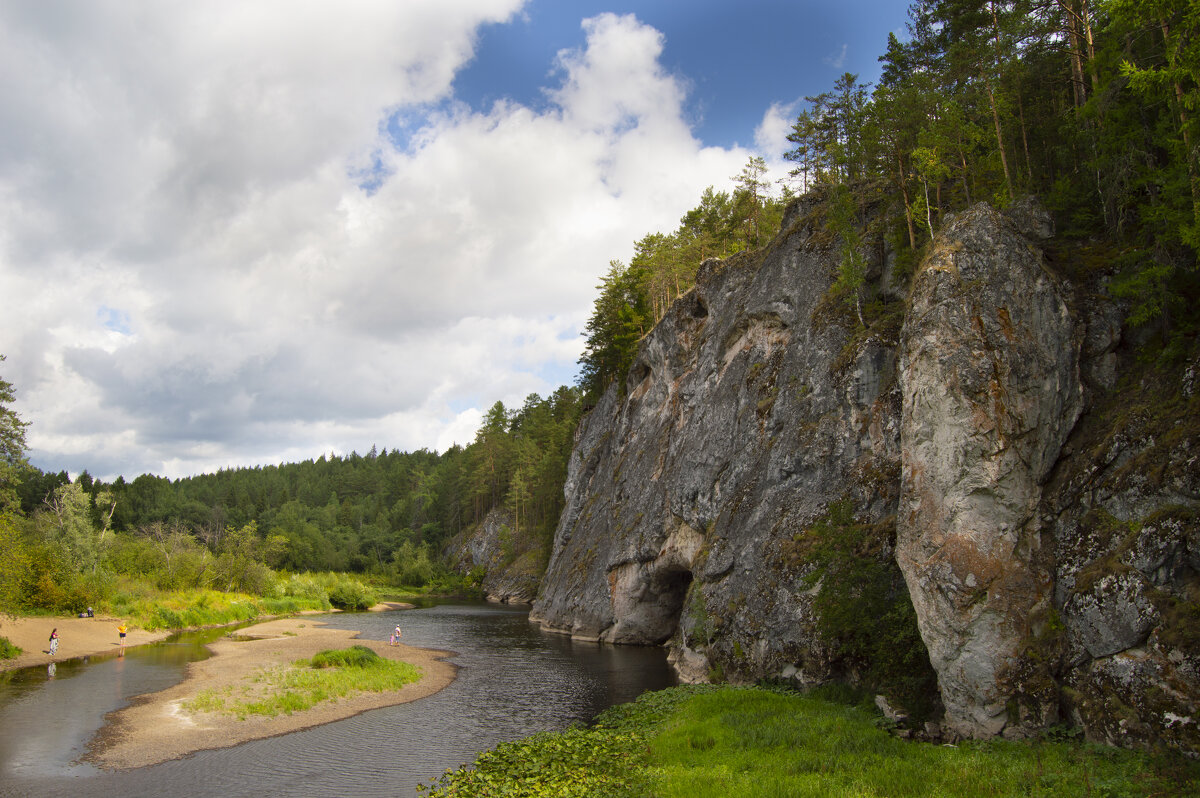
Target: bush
x=304, y=586
x=350, y=594
x=354, y=657
x=8, y=650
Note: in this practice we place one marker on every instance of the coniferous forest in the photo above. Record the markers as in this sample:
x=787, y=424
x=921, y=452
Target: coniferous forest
x=1091, y=105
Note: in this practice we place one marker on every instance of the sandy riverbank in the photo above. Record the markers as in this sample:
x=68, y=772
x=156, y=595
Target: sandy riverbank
x=155, y=728
x=77, y=637
x=88, y=637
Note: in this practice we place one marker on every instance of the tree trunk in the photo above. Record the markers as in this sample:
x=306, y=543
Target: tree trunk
x=1025, y=142
x=1075, y=37
x=962, y=158
x=912, y=233
x=1000, y=139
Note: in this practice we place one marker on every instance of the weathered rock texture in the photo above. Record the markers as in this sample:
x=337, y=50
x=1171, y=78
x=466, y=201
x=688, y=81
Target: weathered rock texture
x=506, y=563
x=740, y=423
x=1043, y=509
x=989, y=364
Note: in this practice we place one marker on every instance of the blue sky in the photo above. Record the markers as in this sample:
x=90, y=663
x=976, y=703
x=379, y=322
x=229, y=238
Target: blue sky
x=242, y=232
x=737, y=58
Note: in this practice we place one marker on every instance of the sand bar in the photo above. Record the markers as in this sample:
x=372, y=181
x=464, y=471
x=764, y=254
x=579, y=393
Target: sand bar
x=156, y=728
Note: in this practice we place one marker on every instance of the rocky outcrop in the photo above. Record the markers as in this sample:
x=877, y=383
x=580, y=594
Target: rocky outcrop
x=1124, y=503
x=777, y=492
x=989, y=365
x=506, y=564
x=689, y=491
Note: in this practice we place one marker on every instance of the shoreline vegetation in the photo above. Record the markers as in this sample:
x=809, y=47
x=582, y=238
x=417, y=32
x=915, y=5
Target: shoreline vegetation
x=259, y=664
x=710, y=741
x=149, y=620
x=278, y=675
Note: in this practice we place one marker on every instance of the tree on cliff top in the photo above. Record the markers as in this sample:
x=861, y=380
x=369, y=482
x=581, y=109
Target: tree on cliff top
x=12, y=447
x=620, y=319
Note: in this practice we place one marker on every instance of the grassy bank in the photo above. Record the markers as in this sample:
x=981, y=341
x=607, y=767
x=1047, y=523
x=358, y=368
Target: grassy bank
x=328, y=676
x=189, y=609
x=702, y=742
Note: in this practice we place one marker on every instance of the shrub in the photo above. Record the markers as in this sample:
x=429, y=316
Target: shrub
x=350, y=594
x=7, y=649
x=303, y=586
x=354, y=657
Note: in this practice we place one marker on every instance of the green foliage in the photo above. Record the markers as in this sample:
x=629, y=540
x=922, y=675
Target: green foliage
x=350, y=594
x=143, y=606
x=863, y=609
x=852, y=268
x=8, y=650
x=577, y=763
x=634, y=298
x=329, y=676
x=1093, y=106
x=12, y=447
x=701, y=741
x=385, y=515
x=14, y=563
x=354, y=657
x=306, y=586
x=618, y=322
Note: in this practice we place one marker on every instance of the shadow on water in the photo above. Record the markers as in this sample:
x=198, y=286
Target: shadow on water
x=513, y=680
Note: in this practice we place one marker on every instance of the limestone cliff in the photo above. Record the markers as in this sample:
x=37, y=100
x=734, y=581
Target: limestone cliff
x=505, y=562
x=777, y=492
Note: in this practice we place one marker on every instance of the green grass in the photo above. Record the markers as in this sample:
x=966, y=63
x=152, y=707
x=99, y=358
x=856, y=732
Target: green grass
x=8, y=650
x=188, y=609
x=328, y=676
x=717, y=742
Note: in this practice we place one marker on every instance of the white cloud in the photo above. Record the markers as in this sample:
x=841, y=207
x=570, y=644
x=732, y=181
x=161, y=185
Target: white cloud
x=201, y=283
x=838, y=61
x=770, y=137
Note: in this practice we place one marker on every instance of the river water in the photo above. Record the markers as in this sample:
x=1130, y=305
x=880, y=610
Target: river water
x=513, y=680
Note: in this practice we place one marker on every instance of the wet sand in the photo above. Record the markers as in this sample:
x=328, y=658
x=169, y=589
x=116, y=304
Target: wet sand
x=77, y=637
x=156, y=728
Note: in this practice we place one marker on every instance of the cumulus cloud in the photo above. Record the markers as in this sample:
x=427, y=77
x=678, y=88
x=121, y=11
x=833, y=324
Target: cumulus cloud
x=770, y=137
x=217, y=252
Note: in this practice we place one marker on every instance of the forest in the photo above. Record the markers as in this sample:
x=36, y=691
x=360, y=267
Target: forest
x=67, y=544
x=1091, y=105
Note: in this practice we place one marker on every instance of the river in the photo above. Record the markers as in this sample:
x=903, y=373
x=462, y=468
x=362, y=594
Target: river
x=513, y=680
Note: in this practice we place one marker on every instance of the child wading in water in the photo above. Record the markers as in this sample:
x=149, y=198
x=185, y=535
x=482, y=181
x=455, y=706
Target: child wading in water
x=395, y=634
x=121, y=631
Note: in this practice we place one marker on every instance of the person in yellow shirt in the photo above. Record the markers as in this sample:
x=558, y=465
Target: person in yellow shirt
x=121, y=630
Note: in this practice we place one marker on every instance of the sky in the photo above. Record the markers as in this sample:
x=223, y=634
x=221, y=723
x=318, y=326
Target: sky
x=250, y=232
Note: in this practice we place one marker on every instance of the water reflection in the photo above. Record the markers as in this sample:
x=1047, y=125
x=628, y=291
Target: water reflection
x=513, y=681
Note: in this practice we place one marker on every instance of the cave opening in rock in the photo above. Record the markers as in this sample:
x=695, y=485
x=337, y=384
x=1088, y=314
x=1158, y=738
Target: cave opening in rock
x=669, y=588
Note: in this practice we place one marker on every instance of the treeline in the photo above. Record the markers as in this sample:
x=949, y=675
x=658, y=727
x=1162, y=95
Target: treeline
x=634, y=297
x=67, y=543
x=1092, y=105
x=1089, y=104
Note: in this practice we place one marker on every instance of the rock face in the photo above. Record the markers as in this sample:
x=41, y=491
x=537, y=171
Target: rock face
x=509, y=564
x=989, y=364
x=777, y=493
x=740, y=423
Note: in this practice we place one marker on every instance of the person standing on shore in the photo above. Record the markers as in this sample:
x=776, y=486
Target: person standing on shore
x=395, y=634
x=121, y=631
x=54, y=641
